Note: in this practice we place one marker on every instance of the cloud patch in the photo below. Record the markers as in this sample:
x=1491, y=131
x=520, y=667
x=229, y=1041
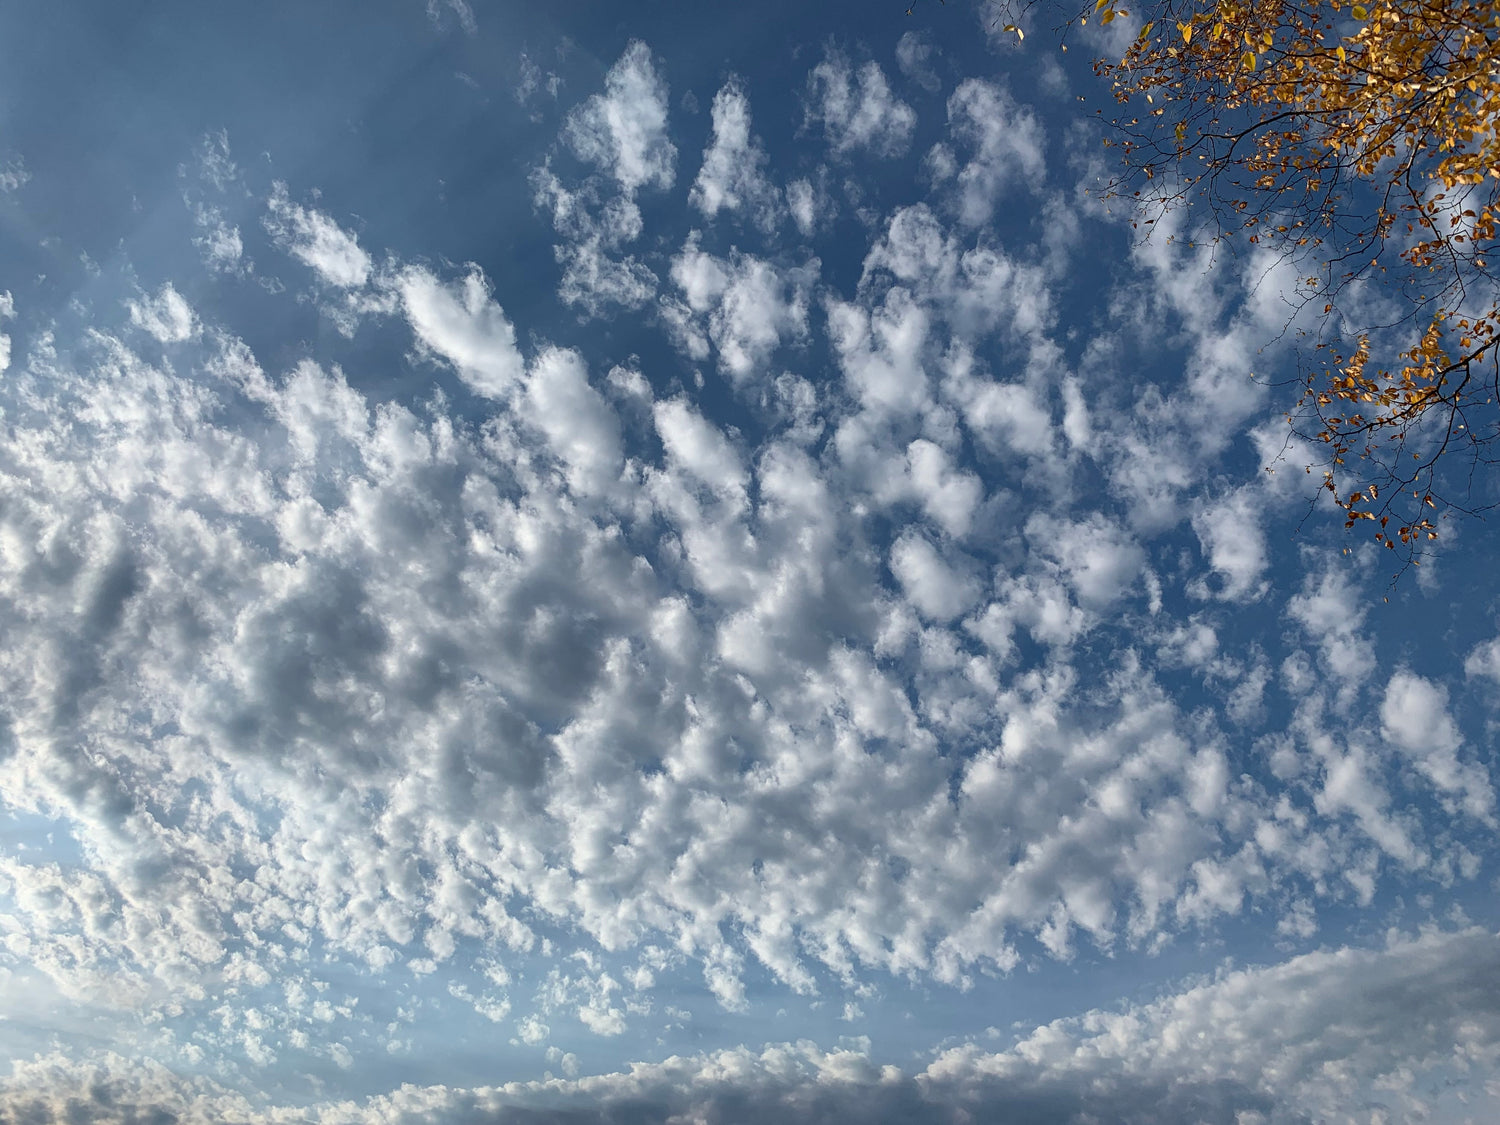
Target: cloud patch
x=624, y=130
x=733, y=175
x=857, y=109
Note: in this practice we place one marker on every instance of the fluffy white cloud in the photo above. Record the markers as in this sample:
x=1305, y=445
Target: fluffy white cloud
x=594, y=281
x=14, y=175
x=1005, y=141
x=508, y=660
x=624, y=129
x=1230, y=534
x=940, y=591
x=461, y=322
x=167, y=316
x=7, y=312
x=882, y=351
x=733, y=176
x=581, y=429
x=948, y=495
x=317, y=241
x=858, y=109
x=1414, y=716
x=1100, y=561
x=1331, y=611
x=594, y=231
x=743, y=305
x=1484, y=661
x=701, y=449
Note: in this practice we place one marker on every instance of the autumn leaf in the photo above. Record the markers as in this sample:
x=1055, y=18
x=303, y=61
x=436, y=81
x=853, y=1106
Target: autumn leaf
x=1326, y=148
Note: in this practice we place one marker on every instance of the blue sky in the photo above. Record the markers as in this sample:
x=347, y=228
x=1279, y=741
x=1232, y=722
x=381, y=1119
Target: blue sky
x=644, y=562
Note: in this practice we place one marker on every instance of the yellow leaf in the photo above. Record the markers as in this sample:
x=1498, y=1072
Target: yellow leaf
x=1107, y=17
x=1359, y=13
x=1343, y=56
x=1247, y=60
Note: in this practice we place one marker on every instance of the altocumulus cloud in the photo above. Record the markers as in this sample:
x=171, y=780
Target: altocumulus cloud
x=839, y=648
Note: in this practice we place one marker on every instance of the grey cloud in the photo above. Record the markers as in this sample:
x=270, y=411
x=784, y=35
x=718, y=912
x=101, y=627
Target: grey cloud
x=914, y=54
x=1346, y=1035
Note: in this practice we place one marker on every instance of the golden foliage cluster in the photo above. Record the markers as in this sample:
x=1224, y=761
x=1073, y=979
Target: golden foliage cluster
x=1363, y=140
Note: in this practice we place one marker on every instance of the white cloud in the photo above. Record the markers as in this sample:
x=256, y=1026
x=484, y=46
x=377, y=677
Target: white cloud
x=405, y=623
x=745, y=306
x=1329, y=609
x=624, y=129
x=733, y=176
x=215, y=164
x=949, y=496
x=581, y=429
x=223, y=248
x=594, y=231
x=461, y=322
x=1313, y=1036
x=881, y=352
x=7, y=312
x=975, y=290
x=1484, y=661
x=1098, y=559
x=212, y=177
x=857, y=109
x=167, y=316
x=694, y=443
x=317, y=241
x=1414, y=716
x=810, y=205
x=532, y=1030
x=461, y=12
x=14, y=175
x=1230, y=534
x=939, y=591
x=594, y=281
x=869, y=660
x=1006, y=142
x=915, y=53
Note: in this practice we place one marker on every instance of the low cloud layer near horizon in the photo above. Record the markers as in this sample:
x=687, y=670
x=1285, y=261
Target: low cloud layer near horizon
x=806, y=631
